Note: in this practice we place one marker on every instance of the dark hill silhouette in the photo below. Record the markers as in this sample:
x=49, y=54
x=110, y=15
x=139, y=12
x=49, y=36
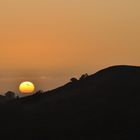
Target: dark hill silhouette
x=105, y=105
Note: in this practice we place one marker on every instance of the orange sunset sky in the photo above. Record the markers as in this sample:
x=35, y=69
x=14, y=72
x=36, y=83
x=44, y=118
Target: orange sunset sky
x=50, y=41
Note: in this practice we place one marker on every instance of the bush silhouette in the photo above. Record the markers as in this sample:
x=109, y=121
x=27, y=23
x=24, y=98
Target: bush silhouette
x=39, y=92
x=73, y=80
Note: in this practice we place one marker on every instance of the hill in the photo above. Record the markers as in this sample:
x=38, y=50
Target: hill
x=103, y=105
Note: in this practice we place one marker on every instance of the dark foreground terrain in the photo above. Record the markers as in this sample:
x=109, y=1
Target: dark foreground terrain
x=105, y=105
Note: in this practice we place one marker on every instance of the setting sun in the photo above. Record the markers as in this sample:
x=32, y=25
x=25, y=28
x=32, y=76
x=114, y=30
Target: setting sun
x=26, y=87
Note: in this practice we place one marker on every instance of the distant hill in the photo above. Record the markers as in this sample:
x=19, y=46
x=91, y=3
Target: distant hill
x=105, y=105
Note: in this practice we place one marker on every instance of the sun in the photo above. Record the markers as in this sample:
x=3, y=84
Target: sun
x=27, y=87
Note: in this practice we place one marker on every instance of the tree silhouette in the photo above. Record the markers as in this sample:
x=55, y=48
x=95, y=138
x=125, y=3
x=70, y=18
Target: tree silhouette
x=83, y=76
x=10, y=95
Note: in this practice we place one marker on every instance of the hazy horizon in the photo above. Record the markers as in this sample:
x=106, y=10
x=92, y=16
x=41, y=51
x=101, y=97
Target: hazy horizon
x=48, y=42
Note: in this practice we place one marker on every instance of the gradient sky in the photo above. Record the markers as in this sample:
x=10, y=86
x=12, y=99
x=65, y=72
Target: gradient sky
x=50, y=41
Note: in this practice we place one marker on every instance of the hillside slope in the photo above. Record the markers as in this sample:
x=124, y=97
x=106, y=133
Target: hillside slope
x=103, y=105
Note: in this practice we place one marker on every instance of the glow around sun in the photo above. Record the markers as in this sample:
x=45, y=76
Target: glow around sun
x=27, y=87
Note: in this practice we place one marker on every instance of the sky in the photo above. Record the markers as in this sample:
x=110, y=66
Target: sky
x=50, y=41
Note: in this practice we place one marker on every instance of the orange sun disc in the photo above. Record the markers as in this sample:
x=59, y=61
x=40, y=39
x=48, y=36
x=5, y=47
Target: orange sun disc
x=26, y=87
